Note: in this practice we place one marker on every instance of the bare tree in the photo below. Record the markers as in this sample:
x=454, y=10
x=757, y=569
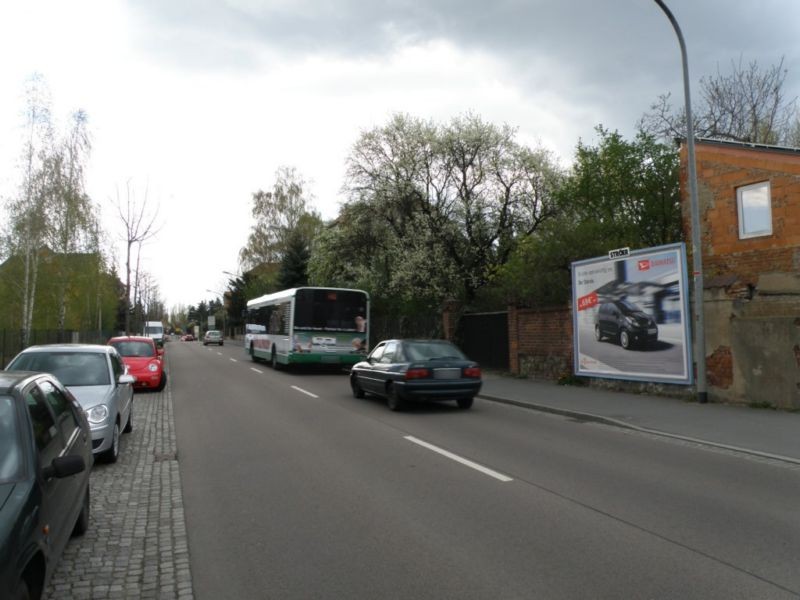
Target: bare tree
x=140, y=226
x=746, y=105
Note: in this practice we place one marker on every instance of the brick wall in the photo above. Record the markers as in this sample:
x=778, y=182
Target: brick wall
x=721, y=169
x=752, y=285
x=540, y=342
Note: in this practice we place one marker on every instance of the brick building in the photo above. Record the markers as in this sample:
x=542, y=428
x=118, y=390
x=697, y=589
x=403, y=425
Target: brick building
x=749, y=201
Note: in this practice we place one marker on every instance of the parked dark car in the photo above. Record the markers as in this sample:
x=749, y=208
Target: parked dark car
x=625, y=322
x=45, y=460
x=410, y=370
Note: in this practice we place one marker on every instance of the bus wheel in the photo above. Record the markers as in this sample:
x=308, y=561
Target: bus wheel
x=275, y=364
x=252, y=353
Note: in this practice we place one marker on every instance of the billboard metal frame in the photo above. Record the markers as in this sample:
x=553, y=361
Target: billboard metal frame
x=658, y=285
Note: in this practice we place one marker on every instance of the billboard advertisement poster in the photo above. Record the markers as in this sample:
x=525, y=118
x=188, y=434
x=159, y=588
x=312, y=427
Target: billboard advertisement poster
x=631, y=316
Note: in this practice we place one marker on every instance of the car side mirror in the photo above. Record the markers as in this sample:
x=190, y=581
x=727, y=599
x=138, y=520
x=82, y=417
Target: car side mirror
x=64, y=466
x=126, y=378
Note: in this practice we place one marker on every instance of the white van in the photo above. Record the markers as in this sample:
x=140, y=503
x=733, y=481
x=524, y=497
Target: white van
x=155, y=330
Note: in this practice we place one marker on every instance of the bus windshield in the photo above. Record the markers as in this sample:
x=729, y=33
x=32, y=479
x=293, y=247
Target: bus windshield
x=332, y=310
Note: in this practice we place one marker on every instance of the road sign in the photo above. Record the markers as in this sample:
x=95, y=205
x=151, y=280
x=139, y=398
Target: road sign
x=619, y=253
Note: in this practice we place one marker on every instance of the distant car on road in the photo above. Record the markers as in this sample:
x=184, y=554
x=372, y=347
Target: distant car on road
x=45, y=455
x=98, y=379
x=187, y=337
x=212, y=336
x=409, y=370
x=144, y=361
x=625, y=322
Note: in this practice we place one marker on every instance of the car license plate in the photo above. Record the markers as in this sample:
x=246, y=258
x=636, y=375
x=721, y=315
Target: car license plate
x=447, y=373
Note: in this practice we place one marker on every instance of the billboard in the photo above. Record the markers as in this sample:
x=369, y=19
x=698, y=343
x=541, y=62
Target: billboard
x=631, y=315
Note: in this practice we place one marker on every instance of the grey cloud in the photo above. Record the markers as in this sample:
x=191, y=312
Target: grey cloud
x=618, y=51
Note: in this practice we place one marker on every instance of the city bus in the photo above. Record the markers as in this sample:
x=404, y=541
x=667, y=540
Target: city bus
x=308, y=325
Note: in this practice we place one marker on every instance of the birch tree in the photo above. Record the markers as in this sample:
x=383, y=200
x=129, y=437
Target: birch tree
x=28, y=211
x=279, y=214
x=71, y=214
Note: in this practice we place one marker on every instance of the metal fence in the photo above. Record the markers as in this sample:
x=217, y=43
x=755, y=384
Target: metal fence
x=383, y=326
x=11, y=340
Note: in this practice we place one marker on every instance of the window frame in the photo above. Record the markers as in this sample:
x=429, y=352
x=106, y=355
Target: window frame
x=740, y=209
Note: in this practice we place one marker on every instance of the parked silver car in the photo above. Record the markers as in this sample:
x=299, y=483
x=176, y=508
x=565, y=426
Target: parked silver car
x=98, y=379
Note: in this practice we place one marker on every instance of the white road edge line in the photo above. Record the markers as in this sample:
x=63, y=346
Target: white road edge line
x=457, y=458
x=233, y=360
x=294, y=387
x=219, y=353
x=256, y=370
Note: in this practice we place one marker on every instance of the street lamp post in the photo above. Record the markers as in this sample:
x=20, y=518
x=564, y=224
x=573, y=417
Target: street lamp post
x=697, y=250
x=222, y=298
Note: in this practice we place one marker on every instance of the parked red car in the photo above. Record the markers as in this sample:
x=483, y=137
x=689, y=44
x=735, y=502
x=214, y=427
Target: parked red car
x=143, y=359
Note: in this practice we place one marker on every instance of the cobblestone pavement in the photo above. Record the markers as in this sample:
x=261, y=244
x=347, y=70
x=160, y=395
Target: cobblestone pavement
x=136, y=545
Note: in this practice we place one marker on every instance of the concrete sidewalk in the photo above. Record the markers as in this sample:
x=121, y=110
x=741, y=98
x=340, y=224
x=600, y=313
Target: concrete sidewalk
x=762, y=432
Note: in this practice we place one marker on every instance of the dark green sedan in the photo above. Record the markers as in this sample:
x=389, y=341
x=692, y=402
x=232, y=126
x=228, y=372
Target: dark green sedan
x=45, y=455
x=402, y=371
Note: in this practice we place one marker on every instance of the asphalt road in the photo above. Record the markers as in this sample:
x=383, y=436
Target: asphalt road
x=294, y=489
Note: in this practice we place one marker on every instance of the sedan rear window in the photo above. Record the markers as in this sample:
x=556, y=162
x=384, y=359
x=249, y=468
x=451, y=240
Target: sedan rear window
x=417, y=351
x=71, y=368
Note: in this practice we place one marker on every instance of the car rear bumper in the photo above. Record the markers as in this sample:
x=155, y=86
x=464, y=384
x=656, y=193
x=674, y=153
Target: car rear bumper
x=146, y=381
x=437, y=390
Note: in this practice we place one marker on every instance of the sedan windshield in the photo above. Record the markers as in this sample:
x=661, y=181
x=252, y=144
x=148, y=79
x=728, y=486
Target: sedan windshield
x=133, y=348
x=10, y=444
x=71, y=368
x=416, y=351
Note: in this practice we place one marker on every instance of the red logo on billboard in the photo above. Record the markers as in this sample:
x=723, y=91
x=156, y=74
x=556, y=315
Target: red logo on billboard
x=587, y=301
x=644, y=265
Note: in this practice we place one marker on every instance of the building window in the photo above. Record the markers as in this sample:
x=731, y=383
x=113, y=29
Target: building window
x=755, y=212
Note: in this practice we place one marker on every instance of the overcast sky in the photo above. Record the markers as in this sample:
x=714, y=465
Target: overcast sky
x=200, y=101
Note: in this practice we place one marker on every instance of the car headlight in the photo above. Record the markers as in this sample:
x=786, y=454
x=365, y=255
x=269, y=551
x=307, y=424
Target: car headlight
x=152, y=367
x=97, y=414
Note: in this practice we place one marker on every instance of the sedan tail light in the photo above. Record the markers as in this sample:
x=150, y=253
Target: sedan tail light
x=417, y=373
x=472, y=372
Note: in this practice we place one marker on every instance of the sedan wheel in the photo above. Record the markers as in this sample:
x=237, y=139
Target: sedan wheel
x=162, y=383
x=393, y=401
x=21, y=592
x=129, y=424
x=624, y=339
x=358, y=391
x=597, y=333
x=112, y=454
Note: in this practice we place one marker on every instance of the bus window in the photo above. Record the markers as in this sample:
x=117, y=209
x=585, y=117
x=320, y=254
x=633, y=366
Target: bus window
x=339, y=310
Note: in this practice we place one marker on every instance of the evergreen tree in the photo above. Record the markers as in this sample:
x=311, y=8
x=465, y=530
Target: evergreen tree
x=294, y=266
